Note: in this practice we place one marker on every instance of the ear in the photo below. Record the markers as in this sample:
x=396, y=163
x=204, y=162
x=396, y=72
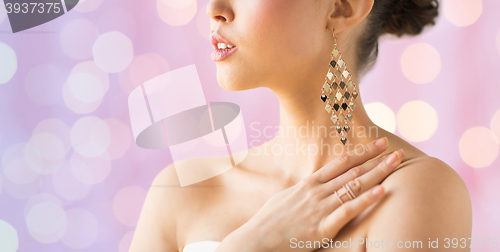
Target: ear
x=345, y=14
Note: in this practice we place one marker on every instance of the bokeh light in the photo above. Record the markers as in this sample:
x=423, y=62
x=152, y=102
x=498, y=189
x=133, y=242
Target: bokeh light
x=113, y=52
x=8, y=63
x=495, y=125
x=203, y=23
x=120, y=135
x=88, y=5
x=478, y=147
x=125, y=242
x=143, y=68
x=176, y=13
x=77, y=38
x=420, y=63
x=462, y=12
x=48, y=146
x=9, y=240
x=417, y=121
x=33, y=153
x=46, y=220
x=67, y=185
x=16, y=167
x=82, y=229
x=381, y=115
x=127, y=204
x=98, y=87
x=90, y=136
x=90, y=170
x=57, y=128
x=43, y=84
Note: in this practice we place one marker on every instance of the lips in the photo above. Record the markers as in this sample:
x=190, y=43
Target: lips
x=216, y=38
x=221, y=54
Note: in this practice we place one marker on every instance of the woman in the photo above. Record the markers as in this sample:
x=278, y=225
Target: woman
x=286, y=201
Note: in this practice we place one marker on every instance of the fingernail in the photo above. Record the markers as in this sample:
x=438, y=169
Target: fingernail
x=377, y=190
x=381, y=142
x=402, y=152
x=392, y=158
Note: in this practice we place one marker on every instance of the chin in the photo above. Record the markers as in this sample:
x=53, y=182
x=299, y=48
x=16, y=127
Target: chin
x=232, y=83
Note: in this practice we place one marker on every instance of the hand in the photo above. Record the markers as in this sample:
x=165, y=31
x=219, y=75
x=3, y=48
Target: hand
x=311, y=211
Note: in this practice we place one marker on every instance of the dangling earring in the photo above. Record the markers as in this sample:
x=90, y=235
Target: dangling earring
x=338, y=98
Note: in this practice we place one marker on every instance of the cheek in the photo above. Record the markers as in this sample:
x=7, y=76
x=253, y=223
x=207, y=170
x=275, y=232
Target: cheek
x=281, y=30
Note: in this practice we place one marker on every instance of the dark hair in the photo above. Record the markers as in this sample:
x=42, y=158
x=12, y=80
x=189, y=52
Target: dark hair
x=397, y=17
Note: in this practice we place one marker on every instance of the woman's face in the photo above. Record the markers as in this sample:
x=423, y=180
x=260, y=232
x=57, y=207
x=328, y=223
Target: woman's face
x=279, y=42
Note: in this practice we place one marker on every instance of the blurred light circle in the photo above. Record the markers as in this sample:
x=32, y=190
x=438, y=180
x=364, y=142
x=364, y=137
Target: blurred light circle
x=82, y=229
x=125, y=242
x=77, y=38
x=9, y=241
x=80, y=106
x=91, y=170
x=462, y=12
x=8, y=63
x=40, y=198
x=495, y=125
x=203, y=24
x=120, y=138
x=176, y=16
x=143, y=68
x=421, y=63
x=67, y=185
x=90, y=136
x=39, y=164
x=417, y=121
x=48, y=146
x=86, y=87
x=15, y=166
x=478, y=147
x=46, y=222
x=57, y=128
x=127, y=204
x=43, y=84
x=381, y=115
x=88, y=5
x=113, y=52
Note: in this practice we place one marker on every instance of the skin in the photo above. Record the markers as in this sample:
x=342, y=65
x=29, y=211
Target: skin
x=285, y=45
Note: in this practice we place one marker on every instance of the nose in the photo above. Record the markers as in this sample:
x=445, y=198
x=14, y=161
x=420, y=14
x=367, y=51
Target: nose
x=219, y=10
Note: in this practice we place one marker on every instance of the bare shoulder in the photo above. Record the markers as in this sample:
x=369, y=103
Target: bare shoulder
x=155, y=229
x=168, y=204
x=425, y=198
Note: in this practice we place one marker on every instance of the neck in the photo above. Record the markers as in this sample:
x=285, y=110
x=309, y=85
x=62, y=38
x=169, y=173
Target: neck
x=307, y=138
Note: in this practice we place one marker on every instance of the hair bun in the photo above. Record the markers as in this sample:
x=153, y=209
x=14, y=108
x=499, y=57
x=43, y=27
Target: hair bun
x=410, y=16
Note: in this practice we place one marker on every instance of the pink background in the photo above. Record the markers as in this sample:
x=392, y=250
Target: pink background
x=72, y=178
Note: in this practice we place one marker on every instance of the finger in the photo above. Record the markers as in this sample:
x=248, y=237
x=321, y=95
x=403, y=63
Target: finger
x=353, y=158
x=358, y=185
x=339, y=217
x=339, y=181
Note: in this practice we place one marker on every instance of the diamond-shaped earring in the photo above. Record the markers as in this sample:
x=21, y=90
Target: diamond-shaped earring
x=338, y=73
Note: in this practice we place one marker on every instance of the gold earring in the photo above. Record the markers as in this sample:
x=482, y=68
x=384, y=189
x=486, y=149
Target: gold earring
x=339, y=92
